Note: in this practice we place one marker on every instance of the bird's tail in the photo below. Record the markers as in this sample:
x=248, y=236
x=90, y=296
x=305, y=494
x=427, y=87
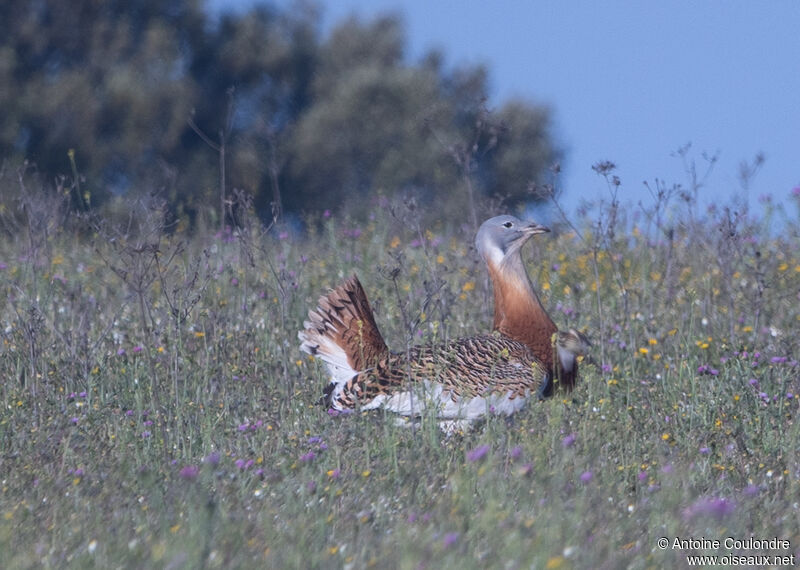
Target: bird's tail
x=342, y=332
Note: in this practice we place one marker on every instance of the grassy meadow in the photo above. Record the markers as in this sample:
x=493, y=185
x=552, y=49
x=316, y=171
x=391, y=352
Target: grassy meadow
x=157, y=413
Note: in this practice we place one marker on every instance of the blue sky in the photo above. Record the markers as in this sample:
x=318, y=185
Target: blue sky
x=631, y=82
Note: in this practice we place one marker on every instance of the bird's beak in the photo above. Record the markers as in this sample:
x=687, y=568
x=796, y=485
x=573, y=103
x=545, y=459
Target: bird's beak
x=532, y=229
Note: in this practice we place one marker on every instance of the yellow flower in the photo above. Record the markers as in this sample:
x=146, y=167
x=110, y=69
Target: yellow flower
x=199, y=334
x=652, y=342
x=665, y=436
x=395, y=242
x=440, y=258
x=468, y=286
x=643, y=350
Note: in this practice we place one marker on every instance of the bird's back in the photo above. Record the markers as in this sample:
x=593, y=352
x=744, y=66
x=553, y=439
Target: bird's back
x=464, y=379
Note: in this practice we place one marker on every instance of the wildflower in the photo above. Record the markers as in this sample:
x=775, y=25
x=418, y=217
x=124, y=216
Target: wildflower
x=306, y=457
x=515, y=453
x=146, y=434
x=478, y=453
x=642, y=476
x=189, y=472
x=715, y=507
x=586, y=476
x=240, y=463
x=450, y=539
x=778, y=359
x=212, y=458
x=121, y=352
x=751, y=490
x=326, y=214
x=334, y=473
x=137, y=349
x=704, y=451
x=569, y=440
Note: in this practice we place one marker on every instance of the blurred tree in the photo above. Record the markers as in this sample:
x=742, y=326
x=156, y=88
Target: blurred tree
x=161, y=96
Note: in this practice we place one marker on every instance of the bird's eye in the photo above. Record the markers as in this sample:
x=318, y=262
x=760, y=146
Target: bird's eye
x=508, y=225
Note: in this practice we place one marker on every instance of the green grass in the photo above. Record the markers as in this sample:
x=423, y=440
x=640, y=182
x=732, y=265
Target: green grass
x=160, y=415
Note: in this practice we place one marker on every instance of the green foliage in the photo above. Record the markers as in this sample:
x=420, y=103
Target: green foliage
x=156, y=410
x=161, y=96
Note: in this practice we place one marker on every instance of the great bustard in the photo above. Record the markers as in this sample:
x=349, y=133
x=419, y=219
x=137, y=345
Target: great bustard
x=460, y=380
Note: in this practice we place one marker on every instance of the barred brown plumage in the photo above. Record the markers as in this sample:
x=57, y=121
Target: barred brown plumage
x=460, y=380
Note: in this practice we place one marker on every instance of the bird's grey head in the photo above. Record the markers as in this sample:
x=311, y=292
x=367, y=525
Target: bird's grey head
x=501, y=236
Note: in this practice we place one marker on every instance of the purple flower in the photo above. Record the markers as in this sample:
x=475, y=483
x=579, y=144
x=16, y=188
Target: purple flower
x=306, y=457
x=778, y=359
x=74, y=420
x=642, y=476
x=795, y=192
x=243, y=427
x=715, y=507
x=478, y=453
x=450, y=539
x=789, y=395
x=311, y=486
x=586, y=476
x=753, y=382
x=212, y=458
x=240, y=463
x=78, y=472
x=314, y=439
x=146, y=434
x=751, y=490
x=326, y=214
x=137, y=349
x=189, y=472
x=234, y=281
x=516, y=453
x=569, y=440
x=606, y=368
x=704, y=451
x=121, y=352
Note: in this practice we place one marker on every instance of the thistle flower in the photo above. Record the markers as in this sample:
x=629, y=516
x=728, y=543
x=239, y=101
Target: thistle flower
x=478, y=453
x=189, y=472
